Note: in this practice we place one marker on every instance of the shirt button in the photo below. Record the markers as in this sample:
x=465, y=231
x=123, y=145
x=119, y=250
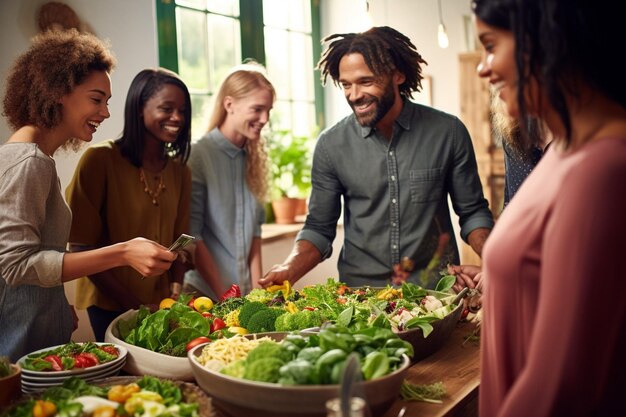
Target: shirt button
x=393, y=224
x=395, y=246
x=390, y=152
x=393, y=178
x=393, y=201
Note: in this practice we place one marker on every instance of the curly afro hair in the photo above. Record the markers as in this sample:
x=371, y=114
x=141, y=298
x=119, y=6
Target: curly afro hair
x=384, y=50
x=55, y=63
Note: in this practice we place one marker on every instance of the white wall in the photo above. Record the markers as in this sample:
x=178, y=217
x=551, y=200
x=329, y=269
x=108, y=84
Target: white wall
x=130, y=26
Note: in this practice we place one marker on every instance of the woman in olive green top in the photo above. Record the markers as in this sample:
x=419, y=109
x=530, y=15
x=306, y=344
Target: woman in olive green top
x=138, y=185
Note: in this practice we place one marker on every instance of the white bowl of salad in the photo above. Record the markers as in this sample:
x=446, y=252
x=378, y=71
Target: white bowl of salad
x=142, y=361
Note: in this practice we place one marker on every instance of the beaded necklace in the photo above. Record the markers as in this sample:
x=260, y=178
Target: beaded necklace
x=154, y=194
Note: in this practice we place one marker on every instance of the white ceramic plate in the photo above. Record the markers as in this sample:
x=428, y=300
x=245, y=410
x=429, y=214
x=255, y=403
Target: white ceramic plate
x=50, y=382
x=27, y=373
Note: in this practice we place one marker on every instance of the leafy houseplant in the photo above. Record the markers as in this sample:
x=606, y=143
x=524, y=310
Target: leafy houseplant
x=290, y=159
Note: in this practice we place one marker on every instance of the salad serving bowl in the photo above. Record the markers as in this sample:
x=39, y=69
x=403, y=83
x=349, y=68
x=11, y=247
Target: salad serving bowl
x=442, y=330
x=141, y=361
x=242, y=398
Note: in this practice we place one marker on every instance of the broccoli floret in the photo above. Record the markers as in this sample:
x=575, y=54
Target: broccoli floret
x=248, y=309
x=235, y=368
x=264, y=320
x=269, y=349
x=264, y=370
x=299, y=320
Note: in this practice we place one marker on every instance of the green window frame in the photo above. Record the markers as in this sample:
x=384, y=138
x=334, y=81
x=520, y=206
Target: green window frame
x=252, y=35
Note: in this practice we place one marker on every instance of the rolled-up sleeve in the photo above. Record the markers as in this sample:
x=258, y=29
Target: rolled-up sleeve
x=320, y=227
x=24, y=257
x=466, y=190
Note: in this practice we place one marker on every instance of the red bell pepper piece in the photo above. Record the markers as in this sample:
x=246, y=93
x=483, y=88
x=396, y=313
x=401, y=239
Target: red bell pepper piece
x=233, y=291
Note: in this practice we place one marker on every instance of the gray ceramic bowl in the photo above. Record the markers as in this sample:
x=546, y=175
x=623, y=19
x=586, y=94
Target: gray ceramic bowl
x=242, y=398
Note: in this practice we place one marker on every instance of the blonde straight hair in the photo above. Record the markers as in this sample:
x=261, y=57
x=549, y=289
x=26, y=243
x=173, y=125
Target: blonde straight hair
x=242, y=81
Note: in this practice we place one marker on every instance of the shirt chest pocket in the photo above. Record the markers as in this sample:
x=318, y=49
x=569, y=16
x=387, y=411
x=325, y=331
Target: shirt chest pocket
x=426, y=185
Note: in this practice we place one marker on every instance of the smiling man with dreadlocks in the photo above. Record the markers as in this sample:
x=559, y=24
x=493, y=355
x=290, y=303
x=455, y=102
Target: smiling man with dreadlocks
x=394, y=163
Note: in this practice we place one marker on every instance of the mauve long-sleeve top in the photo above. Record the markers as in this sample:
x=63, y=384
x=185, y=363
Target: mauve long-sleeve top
x=554, y=329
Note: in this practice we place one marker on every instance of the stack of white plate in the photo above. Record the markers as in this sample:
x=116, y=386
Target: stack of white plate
x=36, y=381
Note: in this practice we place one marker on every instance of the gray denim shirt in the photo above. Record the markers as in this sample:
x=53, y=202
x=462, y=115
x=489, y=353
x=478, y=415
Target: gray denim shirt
x=395, y=193
x=225, y=214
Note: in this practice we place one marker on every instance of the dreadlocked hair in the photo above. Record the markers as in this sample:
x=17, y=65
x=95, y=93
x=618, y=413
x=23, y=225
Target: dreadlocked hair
x=384, y=50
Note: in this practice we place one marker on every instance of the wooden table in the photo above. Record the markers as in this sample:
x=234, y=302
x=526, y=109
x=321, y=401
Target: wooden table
x=457, y=365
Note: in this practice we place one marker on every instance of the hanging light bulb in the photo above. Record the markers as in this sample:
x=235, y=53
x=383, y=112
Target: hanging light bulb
x=442, y=34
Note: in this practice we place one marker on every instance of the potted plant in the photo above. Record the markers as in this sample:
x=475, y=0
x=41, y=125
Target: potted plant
x=290, y=160
x=10, y=382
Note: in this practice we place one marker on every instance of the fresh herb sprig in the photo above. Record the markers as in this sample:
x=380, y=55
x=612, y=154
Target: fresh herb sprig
x=430, y=393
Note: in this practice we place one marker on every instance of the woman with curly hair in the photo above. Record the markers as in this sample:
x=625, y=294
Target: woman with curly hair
x=138, y=185
x=229, y=185
x=56, y=95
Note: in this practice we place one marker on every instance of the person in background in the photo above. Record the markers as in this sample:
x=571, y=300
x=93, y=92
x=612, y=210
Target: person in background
x=52, y=103
x=554, y=330
x=520, y=158
x=394, y=163
x=137, y=185
x=230, y=184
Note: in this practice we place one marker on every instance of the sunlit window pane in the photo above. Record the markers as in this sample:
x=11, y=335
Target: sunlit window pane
x=303, y=119
x=281, y=115
x=196, y=4
x=276, y=13
x=202, y=107
x=300, y=15
x=192, y=59
x=276, y=43
x=301, y=63
x=226, y=7
x=293, y=14
x=224, y=47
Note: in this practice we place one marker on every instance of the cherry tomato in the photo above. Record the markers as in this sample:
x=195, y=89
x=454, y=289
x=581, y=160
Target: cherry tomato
x=206, y=314
x=86, y=360
x=190, y=303
x=111, y=350
x=55, y=361
x=217, y=324
x=197, y=341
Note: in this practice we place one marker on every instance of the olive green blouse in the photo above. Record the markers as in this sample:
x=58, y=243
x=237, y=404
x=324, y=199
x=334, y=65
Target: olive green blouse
x=110, y=204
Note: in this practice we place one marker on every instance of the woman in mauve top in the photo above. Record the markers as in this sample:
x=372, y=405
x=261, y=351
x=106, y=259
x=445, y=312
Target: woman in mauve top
x=554, y=329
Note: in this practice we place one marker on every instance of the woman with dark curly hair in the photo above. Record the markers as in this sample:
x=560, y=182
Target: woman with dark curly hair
x=553, y=333
x=57, y=94
x=138, y=185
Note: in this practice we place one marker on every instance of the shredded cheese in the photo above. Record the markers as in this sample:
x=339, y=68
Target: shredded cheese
x=229, y=350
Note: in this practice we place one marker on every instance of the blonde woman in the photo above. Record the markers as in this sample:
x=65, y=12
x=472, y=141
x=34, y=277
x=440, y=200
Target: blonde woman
x=229, y=186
